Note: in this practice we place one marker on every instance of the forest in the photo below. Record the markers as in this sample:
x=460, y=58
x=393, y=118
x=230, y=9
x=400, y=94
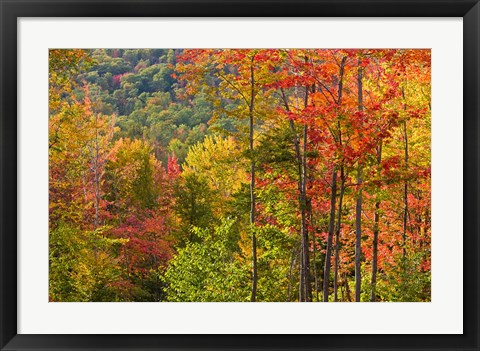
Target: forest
x=239, y=175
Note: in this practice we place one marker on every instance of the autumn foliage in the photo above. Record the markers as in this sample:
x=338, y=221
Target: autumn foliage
x=240, y=175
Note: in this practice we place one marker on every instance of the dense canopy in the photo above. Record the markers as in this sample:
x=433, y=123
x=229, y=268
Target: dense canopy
x=239, y=175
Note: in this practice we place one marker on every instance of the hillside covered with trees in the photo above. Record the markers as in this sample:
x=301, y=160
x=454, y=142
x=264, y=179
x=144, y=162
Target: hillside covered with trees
x=239, y=175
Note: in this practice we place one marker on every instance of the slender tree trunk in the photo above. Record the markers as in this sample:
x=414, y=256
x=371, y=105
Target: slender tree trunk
x=96, y=176
x=331, y=228
x=308, y=202
x=309, y=205
x=315, y=273
x=301, y=290
x=252, y=185
x=337, y=234
x=305, y=293
x=358, y=208
x=405, y=186
x=376, y=231
x=375, y=253
x=306, y=241
x=358, y=239
x=331, y=224
x=347, y=287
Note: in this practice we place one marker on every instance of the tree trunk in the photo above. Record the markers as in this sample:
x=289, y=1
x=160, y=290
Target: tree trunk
x=305, y=293
x=306, y=256
x=96, y=176
x=331, y=225
x=358, y=207
x=331, y=228
x=375, y=253
x=315, y=273
x=358, y=238
x=376, y=230
x=405, y=186
x=301, y=290
x=347, y=287
x=252, y=186
x=337, y=234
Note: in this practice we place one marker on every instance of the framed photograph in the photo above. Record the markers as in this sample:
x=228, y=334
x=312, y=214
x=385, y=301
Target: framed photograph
x=239, y=175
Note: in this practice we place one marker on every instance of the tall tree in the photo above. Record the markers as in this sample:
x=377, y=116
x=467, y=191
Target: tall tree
x=333, y=191
x=358, y=207
x=376, y=230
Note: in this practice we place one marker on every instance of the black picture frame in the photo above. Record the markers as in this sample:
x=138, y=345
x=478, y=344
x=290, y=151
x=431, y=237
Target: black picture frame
x=11, y=10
